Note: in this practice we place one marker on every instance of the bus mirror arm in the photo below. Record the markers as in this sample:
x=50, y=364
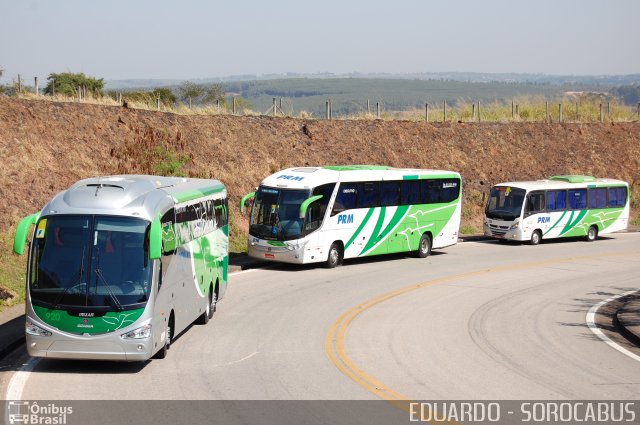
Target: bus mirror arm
x=244, y=199
x=305, y=205
x=155, y=239
x=22, y=230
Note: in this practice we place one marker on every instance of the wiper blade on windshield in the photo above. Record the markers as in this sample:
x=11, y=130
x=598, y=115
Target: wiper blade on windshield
x=117, y=303
x=58, y=300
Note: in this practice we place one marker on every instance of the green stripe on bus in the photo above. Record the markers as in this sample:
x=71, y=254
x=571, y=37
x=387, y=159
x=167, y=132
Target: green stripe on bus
x=375, y=235
x=197, y=193
x=556, y=223
x=359, y=229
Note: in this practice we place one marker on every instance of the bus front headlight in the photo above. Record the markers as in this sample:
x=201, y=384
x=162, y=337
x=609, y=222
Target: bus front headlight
x=140, y=333
x=33, y=329
x=514, y=225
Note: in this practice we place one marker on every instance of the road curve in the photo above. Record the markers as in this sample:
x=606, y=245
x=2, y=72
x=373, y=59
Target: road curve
x=473, y=321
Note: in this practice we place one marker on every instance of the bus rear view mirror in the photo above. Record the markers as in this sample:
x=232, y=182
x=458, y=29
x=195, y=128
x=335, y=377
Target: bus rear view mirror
x=155, y=239
x=22, y=230
x=244, y=200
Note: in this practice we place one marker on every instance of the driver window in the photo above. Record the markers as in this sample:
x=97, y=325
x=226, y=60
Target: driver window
x=536, y=202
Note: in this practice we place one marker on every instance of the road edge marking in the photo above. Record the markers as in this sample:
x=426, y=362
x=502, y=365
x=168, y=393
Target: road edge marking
x=591, y=322
x=19, y=379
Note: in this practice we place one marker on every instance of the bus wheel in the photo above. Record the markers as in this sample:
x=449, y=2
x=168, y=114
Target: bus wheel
x=424, y=247
x=592, y=234
x=536, y=237
x=334, y=256
x=207, y=314
x=162, y=353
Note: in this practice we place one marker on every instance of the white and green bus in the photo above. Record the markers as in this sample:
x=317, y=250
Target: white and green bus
x=326, y=214
x=119, y=265
x=561, y=206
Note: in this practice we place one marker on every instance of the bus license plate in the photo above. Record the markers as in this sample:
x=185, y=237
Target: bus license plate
x=269, y=256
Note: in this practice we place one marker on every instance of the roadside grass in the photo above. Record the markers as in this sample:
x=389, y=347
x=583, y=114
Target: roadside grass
x=12, y=272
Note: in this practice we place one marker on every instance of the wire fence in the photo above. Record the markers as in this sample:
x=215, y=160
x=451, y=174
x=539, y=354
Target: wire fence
x=576, y=108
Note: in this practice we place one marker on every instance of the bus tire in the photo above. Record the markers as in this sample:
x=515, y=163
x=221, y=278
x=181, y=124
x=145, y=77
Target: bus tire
x=335, y=256
x=424, y=246
x=207, y=314
x=592, y=234
x=536, y=237
x=162, y=353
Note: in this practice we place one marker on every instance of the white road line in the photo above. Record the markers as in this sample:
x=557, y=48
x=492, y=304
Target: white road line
x=237, y=361
x=19, y=379
x=591, y=321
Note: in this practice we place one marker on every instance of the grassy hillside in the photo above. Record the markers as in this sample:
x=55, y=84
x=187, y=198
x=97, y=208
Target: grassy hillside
x=48, y=145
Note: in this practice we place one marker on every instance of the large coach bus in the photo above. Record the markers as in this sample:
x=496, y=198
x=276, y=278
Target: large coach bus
x=119, y=265
x=561, y=206
x=326, y=214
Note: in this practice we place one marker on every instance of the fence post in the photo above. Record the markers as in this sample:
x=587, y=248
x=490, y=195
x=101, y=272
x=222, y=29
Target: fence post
x=512, y=111
x=280, y=102
x=330, y=109
x=518, y=111
x=234, y=105
x=19, y=85
x=473, y=112
x=53, y=87
x=368, y=107
x=546, y=110
x=378, y=110
x=327, y=109
x=36, y=84
x=426, y=111
x=444, y=110
x=609, y=110
x=274, y=107
x=479, y=111
x=559, y=112
x=577, y=111
x=78, y=90
x=158, y=102
x=601, y=117
x=638, y=114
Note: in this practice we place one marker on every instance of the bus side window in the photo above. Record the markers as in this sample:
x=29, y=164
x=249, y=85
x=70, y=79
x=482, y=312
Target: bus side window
x=370, y=195
x=390, y=194
x=430, y=191
x=410, y=192
x=617, y=197
x=346, y=199
x=536, y=202
x=577, y=199
x=450, y=190
x=556, y=200
x=598, y=198
x=317, y=210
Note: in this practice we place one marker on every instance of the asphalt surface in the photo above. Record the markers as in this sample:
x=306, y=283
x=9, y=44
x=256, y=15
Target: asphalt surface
x=481, y=320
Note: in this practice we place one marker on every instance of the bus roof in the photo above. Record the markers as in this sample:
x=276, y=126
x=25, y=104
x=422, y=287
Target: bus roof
x=563, y=182
x=308, y=177
x=136, y=195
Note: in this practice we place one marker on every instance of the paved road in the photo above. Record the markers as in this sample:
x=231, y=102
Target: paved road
x=477, y=320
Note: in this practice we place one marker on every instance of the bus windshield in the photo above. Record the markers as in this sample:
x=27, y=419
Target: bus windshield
x=275, y=213
x=505, y=203
x=90, y=261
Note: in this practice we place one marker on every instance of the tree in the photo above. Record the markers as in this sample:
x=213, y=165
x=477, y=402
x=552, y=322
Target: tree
x=214, y=93
x=67, y=83
x=630, y=94
x=190, y=91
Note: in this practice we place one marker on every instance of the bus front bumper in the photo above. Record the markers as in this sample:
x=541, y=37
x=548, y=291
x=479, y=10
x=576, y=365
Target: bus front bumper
x=109, y=346
x=293, y=252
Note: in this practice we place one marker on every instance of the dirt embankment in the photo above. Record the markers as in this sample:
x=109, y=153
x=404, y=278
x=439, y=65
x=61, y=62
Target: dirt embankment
x=46, y=146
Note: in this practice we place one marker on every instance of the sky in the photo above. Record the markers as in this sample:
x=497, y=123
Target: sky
x=189, y=39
